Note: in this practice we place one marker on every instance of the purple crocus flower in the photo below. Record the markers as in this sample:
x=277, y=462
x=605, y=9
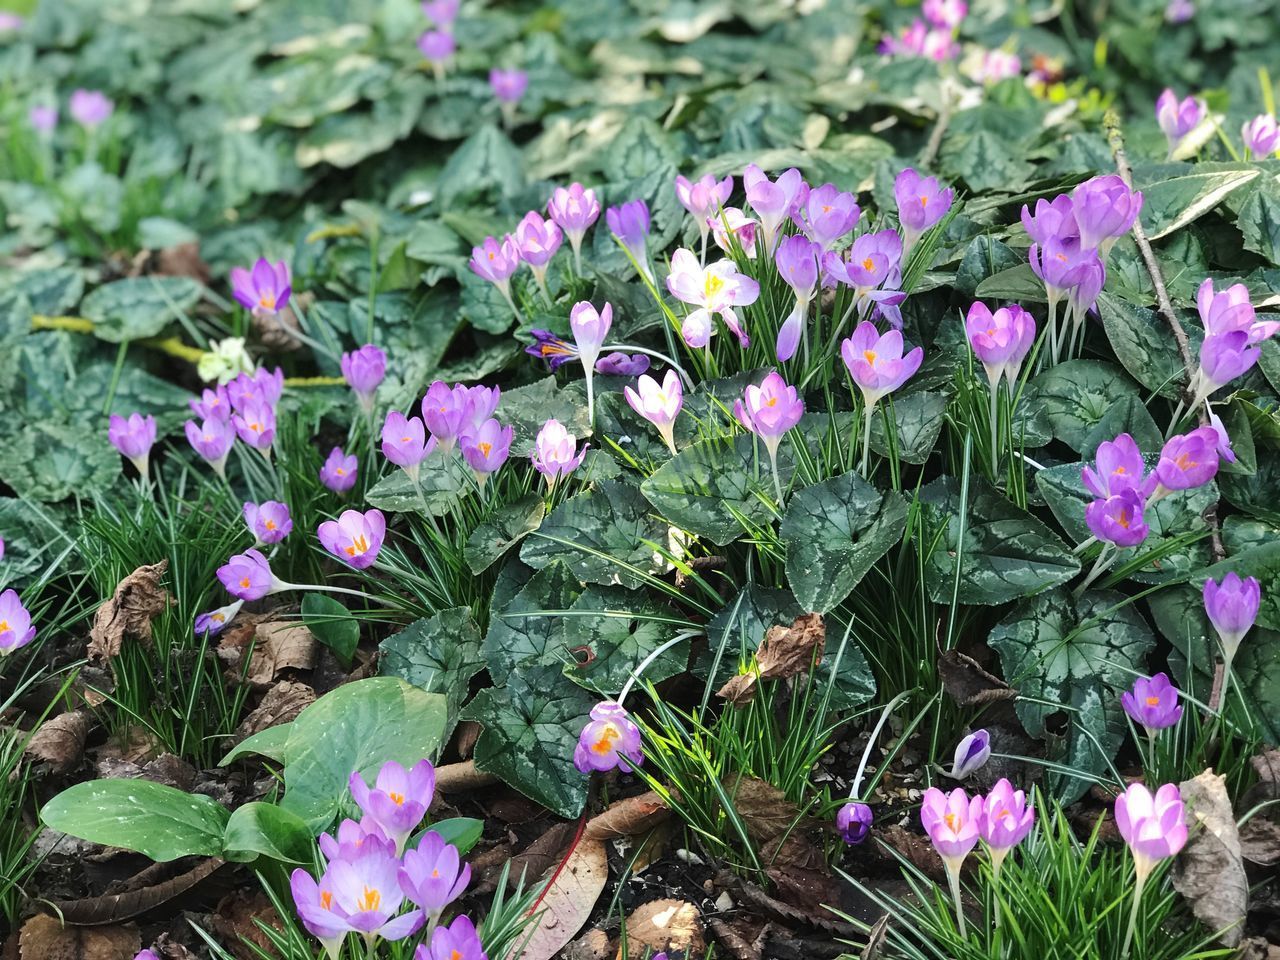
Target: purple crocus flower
x=610, y=739
x=441, y=12
x=215, y=621
x=497, y=262
x=262, y=385
x=1179, y=11
x=485, y=448
x=660, y=405
x=554, y=349
x=432, y=875
x=318, y=909
x=16, y=630
x=703, y=198
x=364, y=892
x=1118, y=519
x=1232, y=607
x=351, y=836
x=1187, y=461
x=1084, y=295
x=247, y=576
x=446, y=411
x=1260, y=135
x=354, y=538
x=1120, y=467
x=133, y=437
x=770, y=409
x=508, y=85
x=482, y=402
x=972, y=753
x=554, y=452
x=827, y=214
x=1153, y=703
x=459, y=941
x=1000, y=340
x=537, y=240
x=1061, y=264
x=876, y=363
x=731, y=226
x=951, y=821
x=437, y=48
x=1177, y=118
x=256, y=423
x=212, y=440
x=619, y=364
x=1229, y=310
x=1004, y=820
x=871, y=261
x=264, y=290
x=629, y=222
x=1104, y=209
x=590, y=330
x=43, y=118
x=1224, y=440
x=213, y=404
x=1155, y=828
x=338, y=472
x=269, y=522
x=1223, y=357
x=1052, y=218
x=945, y=13
x=772, y=201
x=996, y=65
x=714, y=289
x=797, y=259
x=363, y=370
x=853, y=822
x=10, y=22
x=399, y=798
x=90, y=108
x=922, y=202
x=404, y=442
x=574, y=209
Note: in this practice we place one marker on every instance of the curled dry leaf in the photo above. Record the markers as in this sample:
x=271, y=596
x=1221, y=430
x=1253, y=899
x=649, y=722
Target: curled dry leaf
x=114, y=908
x=784, y=652
x=45, y=938
x=592, y=945
x=628, y=818
x=139, y=598
x=736, y=939
x=765, y=809
x=1210, y=872
x=568, y=902
x=458, y=777
x=60, y=740
x=280, y=704
x=1260, y=841
x=673, y=925
x=1258, y=948
x=281, y=646
x=968, y=683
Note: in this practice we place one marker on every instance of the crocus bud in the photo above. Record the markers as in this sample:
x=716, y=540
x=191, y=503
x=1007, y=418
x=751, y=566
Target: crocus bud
x=508, y=85
x=590, y=330
x=629, y=222
x=537, y=240
x=363, y=370
x=133, y=437
x=610, y=739
x=212, y=440
x=574, y=210
x=554, y=453
x=1152, y=703
x=338, y=472
x=1232, y=606
x=1004, y=821
x=1260, y=135
x=972, y=752
x=91, y=108
x=1052, y=218
x=437, y=48
x=1104, y=209
x=1118, y=519
x=1223, y=357
x=660, y=405
x=1177, y=118
x=16, y=630
x=215, y=621
x=853, y=822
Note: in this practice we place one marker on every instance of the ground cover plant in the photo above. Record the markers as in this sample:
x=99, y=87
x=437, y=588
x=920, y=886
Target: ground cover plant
x=634, y=478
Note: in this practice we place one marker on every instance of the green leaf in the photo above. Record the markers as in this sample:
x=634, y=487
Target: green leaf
x=1087, y=401
x=984, y=258
x=462, y=832
x=139, y=306
x=1062, y=653
x=438, y=655
x=439, y=487
x=835, y=531
x=32, y=536
x=1143, y=344
x=639, y=149
x=708, y=486
x=1177, y=515
x=1171, y=204
x=531, y=628
x=1179, y=617
x=531, y=728
x=357, y=727
x=332, y=624
x=528, y=408
x=485, y=161
x=1007, y=553
x=263, y=829
x=1019, y=284
x=1255, y=494
x=157, y=821
x=270, y=743
x=509, y=525
x=51, y=292
x=1259, y=220
x=985, y=161
x=49, y=461
x=609, y=631
x=604, y=535
x=917, y=420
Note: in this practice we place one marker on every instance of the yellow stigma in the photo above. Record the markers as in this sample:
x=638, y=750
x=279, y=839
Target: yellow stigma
x=371, y=900
x=270, y=524
x=868, y=264
x=1123, y=518
x=358, y=545
x=326, y=899
x=485, y=448
x=609, y=734
x=397, y=798
x=1153, y=701
x=245, y=583
x=950, y=820
x=869, y=355
x=1185, y=462
x=267, y=301
x=215, y=617
x=4, y=626
x=255, y=427
x=713, y=285
x=924, y=201
x=339, y=471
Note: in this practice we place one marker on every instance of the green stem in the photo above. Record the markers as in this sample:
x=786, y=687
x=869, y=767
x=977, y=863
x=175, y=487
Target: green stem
x=953, y=879
x=867, y=411
x=995, y=429
x=1133, y=914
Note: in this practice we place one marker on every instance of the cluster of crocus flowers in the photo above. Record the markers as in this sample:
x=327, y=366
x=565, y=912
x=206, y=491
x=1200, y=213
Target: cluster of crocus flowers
x=933, y=36
x=715, y=289
x=1001, y=341
x=1072, y=237
x=610, y=740
x=1155, y=828
x=373, y=887
x=769, y=411
x=1233, y=335
x=244, y=407
x=16, y=629
x=1177, y=118
x=1232, y=608
x=458, y=418
x=133, y=436
x=956, y=822
x=878, y=367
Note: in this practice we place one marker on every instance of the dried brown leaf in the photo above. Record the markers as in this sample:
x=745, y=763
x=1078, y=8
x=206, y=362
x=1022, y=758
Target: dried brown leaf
x=659, y=925
x=569, y=901
x=1258, y=948
x=1210, y=872
x=764, y=808
x=113, y=908
x=459, y=777
x=60, y=740
x=44, y=938
x=235, y=921
x=281, y=645
x=138, y=599
x=738, y=942
x=1260, y=841
x=786, y=651
x=184, y=260
x=280, y=704
x=592, y=945
x=968, y=683
x=629, y=817
x=805, y=889
x=278, y=331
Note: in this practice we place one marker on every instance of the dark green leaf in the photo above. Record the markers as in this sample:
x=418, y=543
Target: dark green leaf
x=1087, y=401
x=530, y=629
x=917, y=419
x=438, y=655
x=332, y=625
x=263, y=829
x=508, y=526
x=139, y=307
x=610, y=630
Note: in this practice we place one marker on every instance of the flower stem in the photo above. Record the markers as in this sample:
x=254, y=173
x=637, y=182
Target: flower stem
x=644, y=664
x=773, y=464
x=995, y=429
x=953, y=879
x=591, y=400
x=867, y=411
x=1133, y=914
x=1106, y=557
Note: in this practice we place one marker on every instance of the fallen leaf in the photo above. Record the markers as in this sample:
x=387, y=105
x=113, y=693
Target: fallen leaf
x=628, y=818
x=1258, y=948
x=914, y=848
x=1260, y=841
x=877, y=936
x=764, y=808
x=674, y=925
x=60, y=740
x=44, y=938
x=1267, y=766
x=280, y=704
x=138, y=599
x=784, y=652
x=235, y=921
x=168, y=769
x=281, y=645
x=1210, y=872
x=567, y=903
x=182, y=261
x=135, y=743
x=736, y=939
x=278, y=331
x=458, y=777
x=536, y=860
x=968, y=683
x=92, y=911
x=592, y=945
x=804, y=888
